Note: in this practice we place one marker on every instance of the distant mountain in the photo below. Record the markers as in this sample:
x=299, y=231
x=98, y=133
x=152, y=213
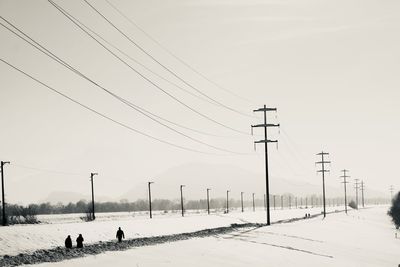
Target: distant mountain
x=198, y=176
x=66, y=197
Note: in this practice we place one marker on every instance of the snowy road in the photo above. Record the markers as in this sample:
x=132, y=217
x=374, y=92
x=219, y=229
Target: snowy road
x=362, y=238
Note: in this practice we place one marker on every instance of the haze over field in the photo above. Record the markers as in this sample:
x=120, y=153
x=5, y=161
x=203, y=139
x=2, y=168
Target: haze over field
x=330, y=67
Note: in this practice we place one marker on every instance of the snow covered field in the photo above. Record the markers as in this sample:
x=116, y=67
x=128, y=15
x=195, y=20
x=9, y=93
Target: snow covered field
x=362, y=238
x=27, y=238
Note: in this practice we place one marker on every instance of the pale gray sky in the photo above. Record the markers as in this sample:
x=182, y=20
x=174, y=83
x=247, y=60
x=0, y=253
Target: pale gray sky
x=330, y=67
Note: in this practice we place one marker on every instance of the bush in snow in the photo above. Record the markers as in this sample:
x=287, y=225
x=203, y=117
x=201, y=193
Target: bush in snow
x=88, y=214
x=16, y=214
x=394, y=210
x=353, y=204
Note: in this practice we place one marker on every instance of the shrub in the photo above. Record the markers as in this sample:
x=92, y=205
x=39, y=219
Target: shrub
x=88, y=214
x=16, y=214
x=394, y=210
x=353, y=204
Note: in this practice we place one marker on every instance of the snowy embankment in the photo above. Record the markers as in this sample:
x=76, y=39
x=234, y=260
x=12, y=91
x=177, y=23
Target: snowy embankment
x=28, y=238
x=361, y=238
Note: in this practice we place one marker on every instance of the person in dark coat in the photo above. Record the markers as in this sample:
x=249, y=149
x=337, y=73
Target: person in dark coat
x=68, y=242
x=79, y=241
x=120, y=234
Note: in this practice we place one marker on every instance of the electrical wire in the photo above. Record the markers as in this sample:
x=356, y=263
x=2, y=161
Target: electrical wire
x=144, y=77
x=138, y=109
x=156, y=74
x=175, y=56
x=46, y=170
x=164, y=66
x=101, y=114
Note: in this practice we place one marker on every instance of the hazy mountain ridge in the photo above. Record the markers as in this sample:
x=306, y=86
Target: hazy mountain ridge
x=219, y=179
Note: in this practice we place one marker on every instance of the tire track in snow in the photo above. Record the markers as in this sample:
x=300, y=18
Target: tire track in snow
x=284, y=247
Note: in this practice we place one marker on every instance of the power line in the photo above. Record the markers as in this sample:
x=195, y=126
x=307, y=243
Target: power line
x=151, y=71
x=126, y=102
x=101, y=114
x=48, y=53
x=174, y=55
x=142, y=75
x=161, y=64
x=131, y=58
x=45, y=170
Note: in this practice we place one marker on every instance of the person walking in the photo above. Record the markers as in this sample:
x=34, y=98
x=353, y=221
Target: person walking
x=68, y=242
x=120, y=234
x=79, y=241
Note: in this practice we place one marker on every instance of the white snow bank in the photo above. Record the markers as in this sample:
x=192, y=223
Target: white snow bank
x=362, y=238
x=24, y=238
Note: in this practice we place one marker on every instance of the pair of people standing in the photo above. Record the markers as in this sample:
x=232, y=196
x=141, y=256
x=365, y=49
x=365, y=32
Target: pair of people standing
x=79, y=241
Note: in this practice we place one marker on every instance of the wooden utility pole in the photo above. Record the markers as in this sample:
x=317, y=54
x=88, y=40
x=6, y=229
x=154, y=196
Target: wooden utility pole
x=265, y=125
x=362, y=188
x=3, y=202
x=356, y=188
x=241, y=200
x=151, y=214
x=274, y=202
x=91, y=181
x=208, y=201
x=391, y=189
x=227, y=201
x=183, y=211
x=323, y=170
x=254, y=203
x=345, y=182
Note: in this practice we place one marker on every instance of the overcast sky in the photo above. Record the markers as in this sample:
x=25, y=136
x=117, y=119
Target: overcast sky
x=332, y=68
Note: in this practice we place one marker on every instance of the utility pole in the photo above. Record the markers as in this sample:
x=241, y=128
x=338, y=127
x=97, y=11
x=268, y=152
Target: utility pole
x=183, y=212
x=254, y=204
x=227, y=201
x=391, y=189
x=91, y=181
x=151, y=214
x=356, y=188
x=306, y=203
x=265, y=202
x=362, y=193
x=266, y=141
x=274, y=203
x=3, y=202
x=241, y=200
x=323, y=170
x=208, y=201
x=344, y=176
